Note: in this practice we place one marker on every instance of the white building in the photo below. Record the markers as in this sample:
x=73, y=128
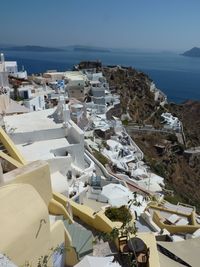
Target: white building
x=98, y=92
x=35, y=103
x=52, y=76
x=171, y=121
x=52, y=136
x=4, y=85
x=12, y=69
x=77, y=84
x=51, y=126
x=158, y=94
x=33, y=97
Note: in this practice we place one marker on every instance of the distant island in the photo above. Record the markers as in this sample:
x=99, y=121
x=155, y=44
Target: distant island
x=194, y=52
x=32, y=48
x=91, y=49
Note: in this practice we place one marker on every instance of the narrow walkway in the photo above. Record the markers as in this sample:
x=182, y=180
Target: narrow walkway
x=134, y=128
x=193, y=150
x=132, y=185
x=98, y=170
x=107, y=173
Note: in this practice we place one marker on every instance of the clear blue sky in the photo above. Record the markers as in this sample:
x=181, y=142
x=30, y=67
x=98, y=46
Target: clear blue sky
x=146, y=24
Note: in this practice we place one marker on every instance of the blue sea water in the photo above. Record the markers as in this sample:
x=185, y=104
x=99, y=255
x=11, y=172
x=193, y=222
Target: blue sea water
x=176, y=75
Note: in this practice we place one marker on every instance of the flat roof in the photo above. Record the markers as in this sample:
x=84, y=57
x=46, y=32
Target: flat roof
x=9, y=106
x=53, y=73
x=95, y=82
x=42, y=149
x=75, y=75
x=10, y=63
x=33, y=121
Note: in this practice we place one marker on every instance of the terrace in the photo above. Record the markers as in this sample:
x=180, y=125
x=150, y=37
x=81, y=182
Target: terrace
x=175, y=218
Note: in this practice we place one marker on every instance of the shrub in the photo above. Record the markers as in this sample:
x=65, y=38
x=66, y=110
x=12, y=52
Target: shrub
x=125, y=122
x=103, y=160
x=173, y=199
x=160, y=169
x=121, y=214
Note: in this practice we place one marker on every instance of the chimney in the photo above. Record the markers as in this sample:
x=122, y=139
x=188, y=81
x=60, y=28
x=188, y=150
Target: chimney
x=2, y=58
x=1, y=174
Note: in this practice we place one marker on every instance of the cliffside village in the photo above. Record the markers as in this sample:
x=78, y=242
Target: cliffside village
x=64, y=163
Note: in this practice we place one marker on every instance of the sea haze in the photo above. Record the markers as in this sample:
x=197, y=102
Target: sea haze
x=176, y=75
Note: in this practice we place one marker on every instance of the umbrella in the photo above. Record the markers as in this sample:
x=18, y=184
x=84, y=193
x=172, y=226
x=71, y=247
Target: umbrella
x=89, y=261
x=117, y=194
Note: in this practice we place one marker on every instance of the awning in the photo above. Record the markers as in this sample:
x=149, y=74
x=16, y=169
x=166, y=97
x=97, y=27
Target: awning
x=187, y=250
x=89, y=261
x=167, y=262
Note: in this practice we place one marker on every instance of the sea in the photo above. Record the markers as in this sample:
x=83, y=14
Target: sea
x=177, y=76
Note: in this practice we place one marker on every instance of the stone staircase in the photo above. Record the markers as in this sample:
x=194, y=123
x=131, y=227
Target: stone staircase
x=82, y=239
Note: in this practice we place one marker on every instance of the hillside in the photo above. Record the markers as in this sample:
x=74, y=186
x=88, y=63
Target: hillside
x=194, y=52
x=137, y=101
x=189, y=114
x=180, y=170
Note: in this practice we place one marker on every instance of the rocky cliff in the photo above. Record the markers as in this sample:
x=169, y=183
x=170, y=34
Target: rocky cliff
x=137, y=100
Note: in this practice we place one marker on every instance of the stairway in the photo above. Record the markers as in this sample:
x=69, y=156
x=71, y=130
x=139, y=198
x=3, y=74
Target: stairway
x=2, y=148
x=82, y=239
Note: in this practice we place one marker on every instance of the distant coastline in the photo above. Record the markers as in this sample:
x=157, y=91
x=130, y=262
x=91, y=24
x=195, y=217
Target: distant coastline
x=31, y=48
x=36, y=48
x=194, y=52
x=177, y=76
x=91, y=49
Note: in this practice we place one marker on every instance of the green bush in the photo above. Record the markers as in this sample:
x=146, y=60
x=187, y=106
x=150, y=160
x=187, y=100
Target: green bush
x=121, y=214
x=174, y=199
x=160, y=169
x=103, y=160
x=125, y=122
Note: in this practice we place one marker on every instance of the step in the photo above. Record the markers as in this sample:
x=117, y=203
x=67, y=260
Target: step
x=82, y=239
x=87, y=249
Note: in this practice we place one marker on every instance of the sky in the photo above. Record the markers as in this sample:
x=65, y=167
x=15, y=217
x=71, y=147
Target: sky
x=142, y=24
